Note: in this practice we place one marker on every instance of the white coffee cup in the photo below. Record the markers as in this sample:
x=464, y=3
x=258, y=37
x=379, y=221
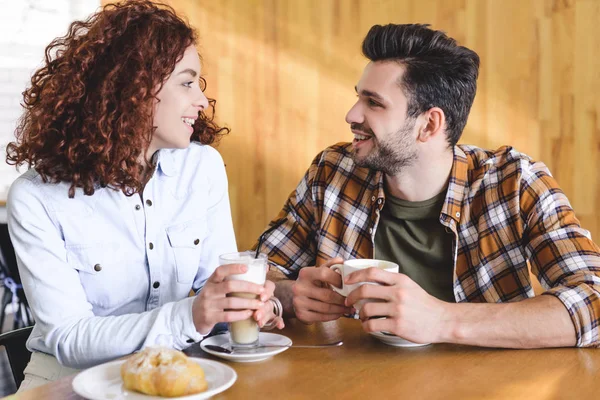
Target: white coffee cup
x=245, y=333
x=350, y=266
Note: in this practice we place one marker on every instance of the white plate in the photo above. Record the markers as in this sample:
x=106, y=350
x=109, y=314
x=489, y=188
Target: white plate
x=259, y=354
x=103, y=382
x=394, y=340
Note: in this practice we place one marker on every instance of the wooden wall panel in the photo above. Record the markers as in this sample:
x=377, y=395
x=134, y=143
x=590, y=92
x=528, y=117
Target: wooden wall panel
x=283, y=73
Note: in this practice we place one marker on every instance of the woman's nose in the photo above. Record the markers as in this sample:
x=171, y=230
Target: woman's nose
x=201, y=102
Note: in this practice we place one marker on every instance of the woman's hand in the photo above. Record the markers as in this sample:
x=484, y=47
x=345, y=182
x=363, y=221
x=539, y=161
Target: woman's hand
x=265, y=314
x=212, y=305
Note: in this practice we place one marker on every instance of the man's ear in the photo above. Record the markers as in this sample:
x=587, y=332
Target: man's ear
x=433, y=124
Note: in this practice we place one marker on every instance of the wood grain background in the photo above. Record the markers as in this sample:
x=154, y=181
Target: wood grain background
x=283, y=73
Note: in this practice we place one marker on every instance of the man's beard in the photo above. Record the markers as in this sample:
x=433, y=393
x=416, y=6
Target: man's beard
x=390, y=156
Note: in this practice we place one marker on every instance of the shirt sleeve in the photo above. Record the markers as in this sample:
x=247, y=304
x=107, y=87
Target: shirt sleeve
x=65, y=324
x=292, y=245
x=561, y=252
x=221, y=236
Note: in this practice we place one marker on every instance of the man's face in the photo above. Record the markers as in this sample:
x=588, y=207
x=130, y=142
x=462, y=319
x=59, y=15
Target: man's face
x=384, y=138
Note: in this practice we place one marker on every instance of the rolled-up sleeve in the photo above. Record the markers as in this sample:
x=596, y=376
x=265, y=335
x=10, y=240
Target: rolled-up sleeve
x=561, y=252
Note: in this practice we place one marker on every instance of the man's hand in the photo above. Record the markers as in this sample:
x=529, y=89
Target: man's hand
x=212, y=305
x=409, y=311
x=313, y=299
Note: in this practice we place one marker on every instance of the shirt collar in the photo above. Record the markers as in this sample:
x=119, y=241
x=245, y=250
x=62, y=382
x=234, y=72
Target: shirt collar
x=166, y=162
x=455, y=192
x=456, y=186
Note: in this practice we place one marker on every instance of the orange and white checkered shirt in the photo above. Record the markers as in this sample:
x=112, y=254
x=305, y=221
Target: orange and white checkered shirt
x=504, y=209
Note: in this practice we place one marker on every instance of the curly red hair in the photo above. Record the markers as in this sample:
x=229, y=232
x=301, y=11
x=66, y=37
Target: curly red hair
x=89, y=111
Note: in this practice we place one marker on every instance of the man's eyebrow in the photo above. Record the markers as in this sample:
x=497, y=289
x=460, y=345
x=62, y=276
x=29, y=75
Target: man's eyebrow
x=368, y=93
x=188, y=71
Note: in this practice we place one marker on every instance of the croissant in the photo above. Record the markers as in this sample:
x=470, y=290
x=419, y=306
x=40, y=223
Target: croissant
x=159, y=371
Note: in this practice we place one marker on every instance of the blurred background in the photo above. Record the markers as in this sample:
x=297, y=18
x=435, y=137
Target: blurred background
x=283, y=73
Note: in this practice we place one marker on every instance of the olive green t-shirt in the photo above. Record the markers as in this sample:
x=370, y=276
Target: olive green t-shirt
x=411, y=235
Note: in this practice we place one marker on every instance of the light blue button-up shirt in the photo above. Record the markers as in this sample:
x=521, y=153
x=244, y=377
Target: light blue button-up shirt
x=108, y=274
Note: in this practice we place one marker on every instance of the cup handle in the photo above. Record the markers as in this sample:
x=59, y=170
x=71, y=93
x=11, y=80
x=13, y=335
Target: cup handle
x=337, y=268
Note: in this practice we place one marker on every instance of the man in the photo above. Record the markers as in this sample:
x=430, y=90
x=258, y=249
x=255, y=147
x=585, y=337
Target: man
x=462, y=223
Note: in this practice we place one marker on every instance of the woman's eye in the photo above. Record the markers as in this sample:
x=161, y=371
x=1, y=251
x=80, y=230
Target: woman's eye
x=188, y=84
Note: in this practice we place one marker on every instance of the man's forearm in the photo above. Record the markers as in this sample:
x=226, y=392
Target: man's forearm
x=283, y=291
x=542, y=321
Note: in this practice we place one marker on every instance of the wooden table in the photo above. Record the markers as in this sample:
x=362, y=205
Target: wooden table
x=364, y=368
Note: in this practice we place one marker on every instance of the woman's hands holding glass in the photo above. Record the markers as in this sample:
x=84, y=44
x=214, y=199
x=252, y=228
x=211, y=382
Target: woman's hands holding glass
x=215, y=302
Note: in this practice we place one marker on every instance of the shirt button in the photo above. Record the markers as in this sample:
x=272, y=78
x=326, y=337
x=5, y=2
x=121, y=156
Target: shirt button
x=149, y=202
x=156, y=285
x=97, y=267
x=371, y=230
x=137, y=206
x=151, y=245
x=457, y=215
x=196, y=241
x=373, y=198
x=379, y=201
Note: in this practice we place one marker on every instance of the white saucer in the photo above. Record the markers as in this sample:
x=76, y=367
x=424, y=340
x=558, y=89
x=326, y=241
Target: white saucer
x=394, y=340
x=104, y=382
x=259, y=354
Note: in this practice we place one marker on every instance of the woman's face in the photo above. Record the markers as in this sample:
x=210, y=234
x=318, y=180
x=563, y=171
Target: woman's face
x=180, y=102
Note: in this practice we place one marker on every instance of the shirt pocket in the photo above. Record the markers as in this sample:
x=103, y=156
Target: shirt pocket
x=103, y=273
x=186, y=245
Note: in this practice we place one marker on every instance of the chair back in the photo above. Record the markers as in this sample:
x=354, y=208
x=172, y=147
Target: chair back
x=8, y=253
x=18, y=355
x=11, y=280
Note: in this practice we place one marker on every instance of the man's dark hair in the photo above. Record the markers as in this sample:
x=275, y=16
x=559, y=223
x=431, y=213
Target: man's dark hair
x=438, y=72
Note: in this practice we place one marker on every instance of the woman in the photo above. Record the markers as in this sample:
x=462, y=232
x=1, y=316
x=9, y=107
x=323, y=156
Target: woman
x=120, y=216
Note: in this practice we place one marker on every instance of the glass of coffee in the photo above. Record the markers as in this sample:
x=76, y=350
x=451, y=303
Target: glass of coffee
x=244, y=334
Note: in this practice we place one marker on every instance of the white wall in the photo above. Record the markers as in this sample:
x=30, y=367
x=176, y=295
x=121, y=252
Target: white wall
x=26, y=28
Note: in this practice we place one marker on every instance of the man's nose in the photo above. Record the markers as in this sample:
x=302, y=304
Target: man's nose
x=354, y=115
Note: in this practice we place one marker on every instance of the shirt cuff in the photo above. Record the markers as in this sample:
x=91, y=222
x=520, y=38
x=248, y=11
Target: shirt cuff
x=577, y=300
x=183, y=330
x=278, y=268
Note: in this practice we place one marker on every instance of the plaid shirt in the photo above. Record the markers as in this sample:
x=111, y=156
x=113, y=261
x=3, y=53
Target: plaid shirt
x=504, y=209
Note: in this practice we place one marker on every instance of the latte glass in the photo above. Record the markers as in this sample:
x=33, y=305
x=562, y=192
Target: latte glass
x=244, y=334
